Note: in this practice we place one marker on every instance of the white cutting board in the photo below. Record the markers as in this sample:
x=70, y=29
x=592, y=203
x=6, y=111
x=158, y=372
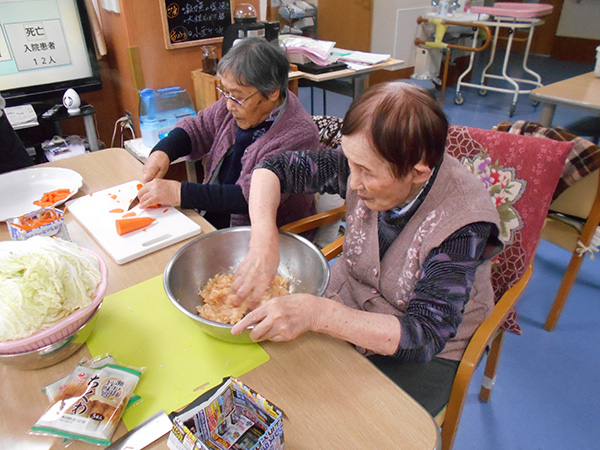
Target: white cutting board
x=93, y=212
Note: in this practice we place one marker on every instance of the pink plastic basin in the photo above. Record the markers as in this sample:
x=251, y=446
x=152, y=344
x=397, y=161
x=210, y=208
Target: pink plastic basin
x=519, y=10
x=66, y=326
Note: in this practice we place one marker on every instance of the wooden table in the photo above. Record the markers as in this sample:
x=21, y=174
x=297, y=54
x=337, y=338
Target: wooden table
x=390, y=64
x=334, y=398
x=582, y=92
x=346, y=82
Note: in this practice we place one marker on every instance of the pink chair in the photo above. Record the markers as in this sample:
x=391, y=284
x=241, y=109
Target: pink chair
x=575, y=209
x=521, y=174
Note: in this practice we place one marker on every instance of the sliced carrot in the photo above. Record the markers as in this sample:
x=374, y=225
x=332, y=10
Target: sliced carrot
x=158, y=205
x=116, y=210
x=139, y=186
x=52, y=197
x=129, y=214
x=131, y=224
x=28, y=224
x=21, y=227
x=165, y=210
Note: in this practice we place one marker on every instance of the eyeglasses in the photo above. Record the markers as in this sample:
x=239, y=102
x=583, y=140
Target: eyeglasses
x=233, y=99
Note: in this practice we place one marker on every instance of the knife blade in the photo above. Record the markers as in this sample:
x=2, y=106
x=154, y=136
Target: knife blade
x=133, y=203
x=144, y=434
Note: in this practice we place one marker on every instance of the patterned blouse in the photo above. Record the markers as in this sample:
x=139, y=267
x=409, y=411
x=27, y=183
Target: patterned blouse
x=437, y=303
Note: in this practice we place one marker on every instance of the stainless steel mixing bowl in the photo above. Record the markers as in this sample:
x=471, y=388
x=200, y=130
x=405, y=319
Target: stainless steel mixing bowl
x=218, y=252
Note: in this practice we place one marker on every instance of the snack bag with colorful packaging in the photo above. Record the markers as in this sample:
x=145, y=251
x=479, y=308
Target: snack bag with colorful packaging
x=90, y=404
x=54, y=389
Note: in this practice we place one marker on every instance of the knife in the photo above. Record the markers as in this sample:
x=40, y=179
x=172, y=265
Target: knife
x=133, y=203
x=144, y=434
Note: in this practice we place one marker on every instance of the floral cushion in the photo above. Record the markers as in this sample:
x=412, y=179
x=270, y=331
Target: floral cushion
x=521, y=174
x=583, y=159
x=330, y=130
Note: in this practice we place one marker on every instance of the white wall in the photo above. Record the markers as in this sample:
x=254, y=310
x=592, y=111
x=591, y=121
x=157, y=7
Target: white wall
x=395, y=27
x=580, y=19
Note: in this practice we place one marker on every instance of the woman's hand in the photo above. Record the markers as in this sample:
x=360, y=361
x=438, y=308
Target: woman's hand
x=286, y=318
x=282, y=318
x=259, y=267
x=160, y=192
x=156, y=166
x=254, y=274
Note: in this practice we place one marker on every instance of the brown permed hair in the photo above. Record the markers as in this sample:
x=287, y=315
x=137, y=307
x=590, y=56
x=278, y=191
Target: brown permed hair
x=404, y=123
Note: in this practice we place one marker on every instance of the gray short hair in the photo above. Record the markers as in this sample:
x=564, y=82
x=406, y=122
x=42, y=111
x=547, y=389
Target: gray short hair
x=253, y=61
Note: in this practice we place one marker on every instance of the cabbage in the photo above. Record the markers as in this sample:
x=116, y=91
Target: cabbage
x=42, y=281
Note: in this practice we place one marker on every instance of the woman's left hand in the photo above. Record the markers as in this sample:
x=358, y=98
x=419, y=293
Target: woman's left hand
x=282, y=318
x=160, y=192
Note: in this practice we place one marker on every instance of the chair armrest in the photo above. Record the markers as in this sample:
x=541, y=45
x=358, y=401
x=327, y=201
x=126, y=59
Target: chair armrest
x=474, y=352
x=334, y=249
x=482, y=336
x=315, y=221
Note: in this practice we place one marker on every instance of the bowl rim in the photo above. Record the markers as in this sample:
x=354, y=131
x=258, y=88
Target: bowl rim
x=9, y=347
x=182, y=250
x=45, y=347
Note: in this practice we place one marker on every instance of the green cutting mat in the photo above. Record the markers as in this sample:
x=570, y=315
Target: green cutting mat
x=140, y=327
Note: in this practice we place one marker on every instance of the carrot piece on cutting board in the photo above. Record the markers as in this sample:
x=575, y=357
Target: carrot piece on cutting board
x=131, y=224
x=116, y=210
x=129, y=214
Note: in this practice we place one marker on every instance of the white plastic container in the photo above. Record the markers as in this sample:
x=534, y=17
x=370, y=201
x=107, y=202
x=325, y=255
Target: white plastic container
x=597, y=68
x=161, y=110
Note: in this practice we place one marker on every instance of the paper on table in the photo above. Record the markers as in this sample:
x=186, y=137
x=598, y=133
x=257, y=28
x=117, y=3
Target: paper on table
x=300, y=49
x=357, y=67
x=140, y=151
x=364, y=58
x=21, y=116
x=137, y=147
x=140, y=327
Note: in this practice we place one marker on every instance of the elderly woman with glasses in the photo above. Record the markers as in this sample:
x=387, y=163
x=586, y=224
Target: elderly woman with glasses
x=256, y=118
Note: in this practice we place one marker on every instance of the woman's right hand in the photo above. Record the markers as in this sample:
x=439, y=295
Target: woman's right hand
x=259, y=267
x=156, y=166
x=254, y=274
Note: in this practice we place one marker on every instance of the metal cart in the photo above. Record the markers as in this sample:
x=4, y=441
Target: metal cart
x=441, y=26
x=512, y=16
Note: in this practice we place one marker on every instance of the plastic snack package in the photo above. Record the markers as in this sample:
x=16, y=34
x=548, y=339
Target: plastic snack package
x=42, y=222
x=89, y=404
x=52, y=390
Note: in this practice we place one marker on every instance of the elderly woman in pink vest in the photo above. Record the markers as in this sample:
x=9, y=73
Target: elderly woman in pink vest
x=413, y=281
x=257, y=117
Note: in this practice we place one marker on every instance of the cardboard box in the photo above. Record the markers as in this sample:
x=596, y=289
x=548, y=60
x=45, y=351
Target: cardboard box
x=55, y=228
x=231, y=416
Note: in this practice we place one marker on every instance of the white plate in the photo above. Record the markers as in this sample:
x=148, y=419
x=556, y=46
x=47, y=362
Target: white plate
x=19, y=189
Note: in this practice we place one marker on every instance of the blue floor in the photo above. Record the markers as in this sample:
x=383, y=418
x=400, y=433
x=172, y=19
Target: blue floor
x=547, y=392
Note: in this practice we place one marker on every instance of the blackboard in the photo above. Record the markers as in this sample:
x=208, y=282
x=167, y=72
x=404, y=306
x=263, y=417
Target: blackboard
x=194, y=22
